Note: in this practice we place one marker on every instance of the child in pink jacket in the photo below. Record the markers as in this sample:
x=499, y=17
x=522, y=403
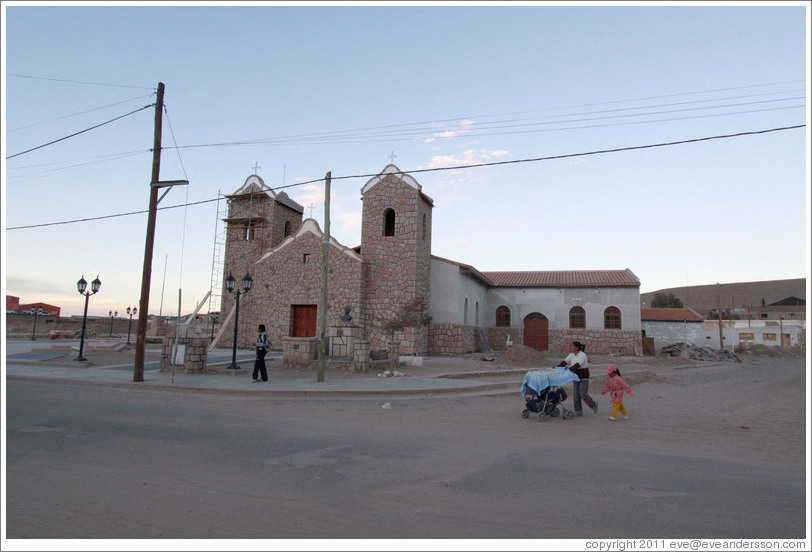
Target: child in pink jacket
x=616, y=386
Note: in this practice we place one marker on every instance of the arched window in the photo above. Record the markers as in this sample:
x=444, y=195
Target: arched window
x=465, y=313
x=577, y=317
x=502, y=317
x=389, y=222
x=287, y=228
x=611, y=318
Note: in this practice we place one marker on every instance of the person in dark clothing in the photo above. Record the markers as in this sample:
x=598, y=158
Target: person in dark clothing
x=578, y=364
x=263, y=342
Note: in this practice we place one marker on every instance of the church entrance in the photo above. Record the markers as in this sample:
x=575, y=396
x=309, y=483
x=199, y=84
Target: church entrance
x=535, y=331
x=304, y=320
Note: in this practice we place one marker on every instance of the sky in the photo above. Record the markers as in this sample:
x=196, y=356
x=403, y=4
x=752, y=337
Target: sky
x=530, y=96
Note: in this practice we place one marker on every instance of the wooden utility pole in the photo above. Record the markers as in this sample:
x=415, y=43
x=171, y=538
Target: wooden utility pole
x=325, y=260
x=143, y=306
x=719, y=311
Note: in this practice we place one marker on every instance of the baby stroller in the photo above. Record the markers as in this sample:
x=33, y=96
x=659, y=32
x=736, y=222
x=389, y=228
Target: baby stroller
x=544, y=395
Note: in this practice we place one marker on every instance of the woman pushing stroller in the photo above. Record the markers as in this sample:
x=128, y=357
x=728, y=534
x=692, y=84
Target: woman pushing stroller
x=578, y=364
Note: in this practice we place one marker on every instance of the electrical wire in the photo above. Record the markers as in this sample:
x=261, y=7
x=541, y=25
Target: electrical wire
x=80, y=132
x=80, y=113
x=437, y=169
x=415, y=130
x=92, y=161
x=185, y=209
x=80, y=82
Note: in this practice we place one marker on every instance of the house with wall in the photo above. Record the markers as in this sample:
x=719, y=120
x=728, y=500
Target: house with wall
x=368, y=284
x=666, y=326
x=13, y=306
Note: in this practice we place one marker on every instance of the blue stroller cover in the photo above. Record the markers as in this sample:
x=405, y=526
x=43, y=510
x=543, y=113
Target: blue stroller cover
x=539, y=380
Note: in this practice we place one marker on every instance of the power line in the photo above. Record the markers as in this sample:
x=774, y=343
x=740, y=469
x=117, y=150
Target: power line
x=430, y=131
x=80, y=132
x=80, y=113
x=81, y=82
x=456, y=167
x=478, y=129
x=89, y=219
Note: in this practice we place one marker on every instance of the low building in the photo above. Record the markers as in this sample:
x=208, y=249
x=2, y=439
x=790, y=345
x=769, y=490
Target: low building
x=666, y=326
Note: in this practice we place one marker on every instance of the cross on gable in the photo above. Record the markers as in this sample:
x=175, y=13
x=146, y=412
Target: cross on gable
x=256, y=167
x=392, y=157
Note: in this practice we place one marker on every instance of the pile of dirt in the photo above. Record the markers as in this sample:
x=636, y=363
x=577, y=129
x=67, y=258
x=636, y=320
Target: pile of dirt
x=690, y=351
x=521, y=355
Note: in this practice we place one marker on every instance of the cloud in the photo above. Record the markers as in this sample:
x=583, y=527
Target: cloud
x=467, y=157
x=462, y=128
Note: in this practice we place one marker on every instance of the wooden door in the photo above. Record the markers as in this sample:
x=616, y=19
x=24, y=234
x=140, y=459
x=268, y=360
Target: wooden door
x=304, y=320
x=535, y=331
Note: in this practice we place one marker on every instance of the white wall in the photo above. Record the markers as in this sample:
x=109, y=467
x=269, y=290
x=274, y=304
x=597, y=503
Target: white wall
x=555, y=304
x=668, y=333
x=731, y=330
x=449, y=290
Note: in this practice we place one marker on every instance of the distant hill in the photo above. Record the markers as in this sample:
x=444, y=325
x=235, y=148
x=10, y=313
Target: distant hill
x=742, y=294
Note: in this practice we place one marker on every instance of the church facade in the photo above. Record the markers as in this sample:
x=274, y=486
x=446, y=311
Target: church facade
x=268, y=238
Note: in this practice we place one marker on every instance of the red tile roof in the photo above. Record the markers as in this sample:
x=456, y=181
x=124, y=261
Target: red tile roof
x=670, y=315
x=564, y=278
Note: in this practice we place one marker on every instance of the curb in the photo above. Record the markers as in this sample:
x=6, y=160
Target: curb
x=485, y=389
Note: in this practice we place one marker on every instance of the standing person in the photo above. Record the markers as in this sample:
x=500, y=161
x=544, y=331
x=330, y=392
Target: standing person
x=578, y=364
x=616, y=386
x=262, y=349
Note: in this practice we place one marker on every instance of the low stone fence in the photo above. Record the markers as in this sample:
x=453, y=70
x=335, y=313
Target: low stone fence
x=302, y=352
x=604, y=342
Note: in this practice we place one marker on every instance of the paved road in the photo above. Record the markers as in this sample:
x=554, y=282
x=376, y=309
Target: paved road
x=107, y=462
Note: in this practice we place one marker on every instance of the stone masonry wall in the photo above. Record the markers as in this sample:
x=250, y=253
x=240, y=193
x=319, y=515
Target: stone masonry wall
x=242, y=253
x=397, y=268
x=291, y=275
x=597, y=341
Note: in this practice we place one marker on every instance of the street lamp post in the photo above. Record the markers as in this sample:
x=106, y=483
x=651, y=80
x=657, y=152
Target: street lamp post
x=81, y=285
x=36, y=312
x=112, y=317
x=131, y=312
x=246, y=285
x=213, y=318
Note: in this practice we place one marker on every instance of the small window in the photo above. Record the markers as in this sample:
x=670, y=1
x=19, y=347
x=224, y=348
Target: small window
x=424, y=227
x=746, y=338
x=287, y=228
x=611, y=318
x=502, y=317
x=389, y=222
x=249, y=227
x=769, y=337
x=577, y=318
x=306, y=258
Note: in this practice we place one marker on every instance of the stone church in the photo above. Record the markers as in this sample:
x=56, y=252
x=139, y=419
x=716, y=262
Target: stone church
x=268, y=238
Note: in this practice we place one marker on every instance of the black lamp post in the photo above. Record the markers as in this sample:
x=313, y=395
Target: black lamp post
x=246, y=285
x=131, y=312
x=213, y=318
x=81, y=285
x=112, y=317
x=35, y=311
